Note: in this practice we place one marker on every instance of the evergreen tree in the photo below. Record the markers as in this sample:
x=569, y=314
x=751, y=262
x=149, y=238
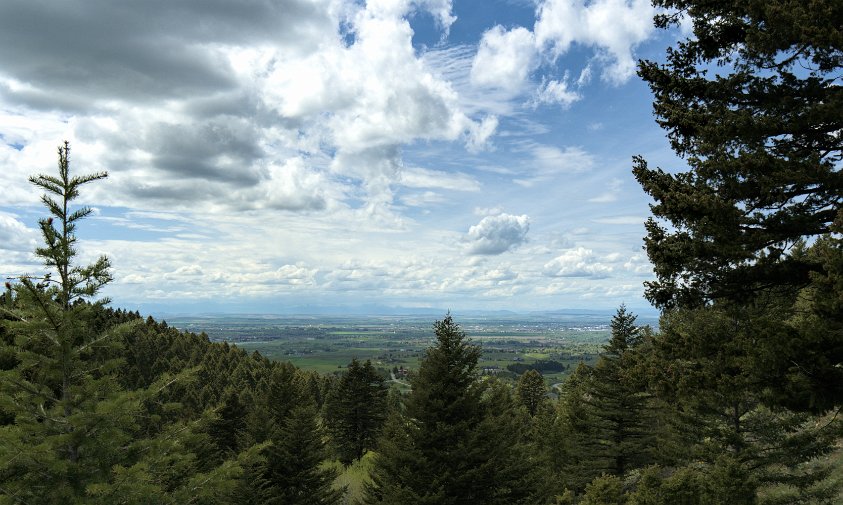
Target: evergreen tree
x=604, y=490
x=752, y=101
x=226, y=430
x=356, y=410
x=745, y=240
x=574, y=452
x=443, y=450
x=70, y=416
x=625, y=335
x=71, y=433
x=531, y=391
x=610, y=423
x=293, y=471
x=724, y=419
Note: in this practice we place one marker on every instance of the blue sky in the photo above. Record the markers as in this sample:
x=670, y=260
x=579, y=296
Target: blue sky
x=269, y=156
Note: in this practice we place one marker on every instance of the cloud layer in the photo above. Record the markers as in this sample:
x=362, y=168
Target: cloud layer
x=326, y=150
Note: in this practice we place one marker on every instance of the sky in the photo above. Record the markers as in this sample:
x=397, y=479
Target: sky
x=275, y=156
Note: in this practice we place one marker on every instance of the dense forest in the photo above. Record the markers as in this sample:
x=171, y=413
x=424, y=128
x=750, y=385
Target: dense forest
x=733, y=399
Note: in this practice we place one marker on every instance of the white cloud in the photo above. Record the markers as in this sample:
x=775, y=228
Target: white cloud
x=639, y=265
x=15, y=236
x=579, y=262
x=423, y=199
x=498, y=234
x=556, y=92
x=238, y=100
x=487, y=211
x=304, y=149
x=291, y=186
x=479, y=133
x=613, y=27
x=569, y=159
x=504, y=59
x=622, y=220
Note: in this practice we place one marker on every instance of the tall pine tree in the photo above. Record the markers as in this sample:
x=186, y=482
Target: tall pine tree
x=356, y=410
x=70, y=432
x=446, y=448
x=752, y=100
x=71, y=418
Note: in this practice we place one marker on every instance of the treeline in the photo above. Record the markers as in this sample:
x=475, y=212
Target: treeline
x=542, y=365
x=105, y=407
x=164, y=416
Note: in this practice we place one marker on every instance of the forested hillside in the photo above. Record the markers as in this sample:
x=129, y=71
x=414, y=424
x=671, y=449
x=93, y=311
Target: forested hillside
x=734, y=399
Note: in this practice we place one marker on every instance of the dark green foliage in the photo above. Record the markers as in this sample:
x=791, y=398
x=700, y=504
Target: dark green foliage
x=356, y=410
x=293, y=474
x=458, y=441
x=75, y=282
x=69, y=417
x=760, y=132
x=744, y=242
x=752, y=101
x=540, y=366
x=721, y=406
x=609, y=424
x=226, y=430
x=79, y=425
x=604, y=490
x=531, y=391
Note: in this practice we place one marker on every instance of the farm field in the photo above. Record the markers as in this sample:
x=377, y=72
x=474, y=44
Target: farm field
x=328, y=343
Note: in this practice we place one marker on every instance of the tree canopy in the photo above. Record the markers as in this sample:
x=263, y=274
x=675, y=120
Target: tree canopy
x=752, y=102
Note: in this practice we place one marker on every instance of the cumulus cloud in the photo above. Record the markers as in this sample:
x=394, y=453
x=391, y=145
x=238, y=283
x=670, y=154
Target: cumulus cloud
x=579, y=262
x=504, y=58
x=639, y=265
x=612, y=27
x=498, y=234
x=291, y=186
x=271, y=139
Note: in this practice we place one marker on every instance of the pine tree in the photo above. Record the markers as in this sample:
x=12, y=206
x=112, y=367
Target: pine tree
x=293, y=471
x=356, y=410
x=610, y=421
x=226, y=430
x=743, y=241
x=724, y=418
x=531, y=391
x=752, y=101
x=443, y=449
x=624, y=410
x=70, y=415
x=604, y=490
x=71, y=433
